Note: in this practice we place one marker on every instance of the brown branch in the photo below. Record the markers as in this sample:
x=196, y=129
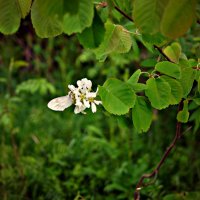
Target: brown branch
x=162, y=53
x=105, y=4
x=123, y=13
x=165, y=155
x=178, y=125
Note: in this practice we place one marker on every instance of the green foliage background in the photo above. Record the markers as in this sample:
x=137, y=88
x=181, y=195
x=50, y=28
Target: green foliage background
x=48, y=155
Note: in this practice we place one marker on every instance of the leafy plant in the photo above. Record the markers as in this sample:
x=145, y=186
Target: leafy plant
x=145, y=41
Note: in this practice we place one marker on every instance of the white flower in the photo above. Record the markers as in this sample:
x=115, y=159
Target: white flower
x=79, y=109
x=93, y=107
x=72, y=88
x=84, y=85
x=91, y=94
x=86, y=103
x=82, y=97
x=97, y=102
x=91, y=97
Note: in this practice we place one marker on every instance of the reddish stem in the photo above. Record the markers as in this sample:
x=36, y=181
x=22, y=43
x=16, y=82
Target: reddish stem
x=165, y=155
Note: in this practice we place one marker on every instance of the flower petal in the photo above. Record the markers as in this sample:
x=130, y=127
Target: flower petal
x=94, y=108
x=78, y=103
x=79, y=83
x=97, y=102
x=91, y=94
x=79, y=109
x=71, y=87
x=86, y=103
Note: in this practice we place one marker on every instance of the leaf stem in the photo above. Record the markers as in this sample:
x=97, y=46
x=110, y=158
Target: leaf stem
x=178, y=135
x=104, y=4
x=154, y=173
x=131, y=19
x=123, y=13
x=161, y=52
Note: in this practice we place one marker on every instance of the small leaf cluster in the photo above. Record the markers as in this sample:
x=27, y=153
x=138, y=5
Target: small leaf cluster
x=167, y=84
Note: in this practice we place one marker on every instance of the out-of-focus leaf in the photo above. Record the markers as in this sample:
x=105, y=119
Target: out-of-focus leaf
x=183, y=196
x=79, y=19
x=148, y=63
x=92, y=37
x=147, y=14
x=20, y=63
x=24, y=6
x=9, y=16
x=40, y=85
x=175, y=12
x=46, y=17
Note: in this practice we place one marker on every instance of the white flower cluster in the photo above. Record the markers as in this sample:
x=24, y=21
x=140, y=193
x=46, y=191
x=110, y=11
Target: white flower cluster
x=82, y=97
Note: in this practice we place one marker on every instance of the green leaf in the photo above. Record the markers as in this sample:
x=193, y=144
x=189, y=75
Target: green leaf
x=147, y=14
x=92, y=37
x=183, y=196
x=134, y=78
x=20, y=63
x=39, y=85
x=117, y=39
x=138, y=87
x=46, y=17
x=173, y=52
x=197, y=101
x=158, y=91
x=168, y=68
x=183, y=115
x=25, y=6
x=154, y=39
x=117, y=97
x=178, y=11
x=9, y=16
x=142, y=115
x=187, y=77
x=133, y=81
x=197, y=75
x=176, y=90
x=79, y=19
x=148, y=62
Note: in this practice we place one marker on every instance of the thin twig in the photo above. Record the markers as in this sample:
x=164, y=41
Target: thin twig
x=178, y=127
x=131, y=19
x=165, y=155
x=105, y=4
x=161, y=52
x=123, y=13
